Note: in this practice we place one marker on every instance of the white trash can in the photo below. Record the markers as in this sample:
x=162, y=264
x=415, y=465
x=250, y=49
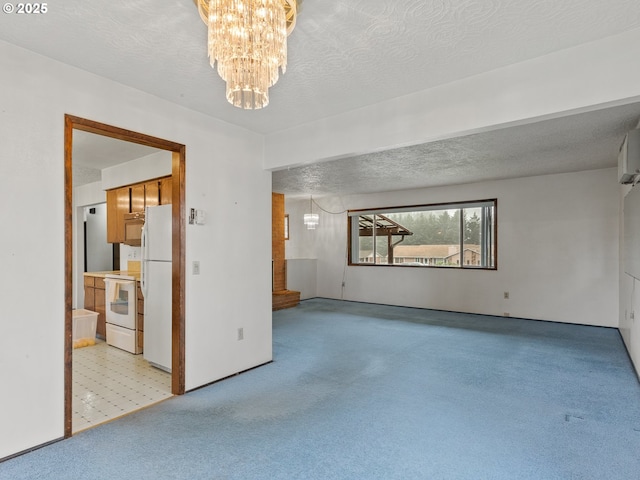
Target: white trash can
x=84, y=328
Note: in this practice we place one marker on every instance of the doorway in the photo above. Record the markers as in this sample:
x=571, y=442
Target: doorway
x=178, y=248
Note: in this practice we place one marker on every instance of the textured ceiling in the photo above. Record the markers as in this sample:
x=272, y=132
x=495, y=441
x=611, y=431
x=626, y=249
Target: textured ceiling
x=579, y=142
x=343, y=54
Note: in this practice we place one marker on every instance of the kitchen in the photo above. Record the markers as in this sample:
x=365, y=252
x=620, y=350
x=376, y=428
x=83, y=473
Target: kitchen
x=123, y=273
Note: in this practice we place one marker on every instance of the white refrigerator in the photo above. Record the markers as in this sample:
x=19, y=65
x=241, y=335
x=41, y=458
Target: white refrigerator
x=156, y=277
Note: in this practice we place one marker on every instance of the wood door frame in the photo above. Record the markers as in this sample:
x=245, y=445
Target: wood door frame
x=178, y=249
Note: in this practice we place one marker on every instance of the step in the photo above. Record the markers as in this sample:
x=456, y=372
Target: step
x=284, y=299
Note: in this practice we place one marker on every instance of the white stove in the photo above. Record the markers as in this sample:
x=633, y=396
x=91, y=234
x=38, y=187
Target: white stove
x=121, y=313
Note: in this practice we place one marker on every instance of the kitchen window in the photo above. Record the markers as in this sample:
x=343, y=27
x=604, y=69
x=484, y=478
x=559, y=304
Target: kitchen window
x=451, y=235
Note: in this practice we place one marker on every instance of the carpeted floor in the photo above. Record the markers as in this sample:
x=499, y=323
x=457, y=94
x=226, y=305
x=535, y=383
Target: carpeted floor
x=361, y=391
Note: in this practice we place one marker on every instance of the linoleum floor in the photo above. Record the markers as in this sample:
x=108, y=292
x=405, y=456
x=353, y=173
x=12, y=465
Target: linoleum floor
x=109, y=382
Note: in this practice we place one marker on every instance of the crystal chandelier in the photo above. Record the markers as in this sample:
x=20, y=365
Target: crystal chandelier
x=311, y=220
x=248, y=40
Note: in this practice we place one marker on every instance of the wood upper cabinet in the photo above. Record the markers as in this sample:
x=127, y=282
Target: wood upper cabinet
x=165, y=190
x=145, y=195
x=152, y=193
x=118, y=203
x=134, y=198
x=137, y=198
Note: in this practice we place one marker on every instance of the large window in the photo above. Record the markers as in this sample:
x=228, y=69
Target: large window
x=452, y=235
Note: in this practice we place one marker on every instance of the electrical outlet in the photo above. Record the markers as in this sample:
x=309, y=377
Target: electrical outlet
x=506, y=295
x=196, y=268
x=240, y=333
x=506, y=314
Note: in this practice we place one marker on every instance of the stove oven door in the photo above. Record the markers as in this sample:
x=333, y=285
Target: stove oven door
x=120, y=302
x=120, y=305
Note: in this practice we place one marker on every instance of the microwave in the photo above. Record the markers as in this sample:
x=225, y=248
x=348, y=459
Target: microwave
x=133, y=223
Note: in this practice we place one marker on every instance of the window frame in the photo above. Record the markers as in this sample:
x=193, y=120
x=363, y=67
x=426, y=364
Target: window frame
x=286, y=226
x=484, y=247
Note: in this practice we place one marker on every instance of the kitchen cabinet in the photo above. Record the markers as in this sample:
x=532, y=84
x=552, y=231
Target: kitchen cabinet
x=152, y=193
x=94, y=300
x=134, y=198
x=137, y=198
x=145, y=195
x=118, y=203
x=165, y=190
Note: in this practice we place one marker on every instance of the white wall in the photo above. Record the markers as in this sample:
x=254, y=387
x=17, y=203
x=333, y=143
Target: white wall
x=300, y=249
x=557, y=252
x=89, y=194
x=156, y=165
x=84, y=195
x=629, y=297
x=35, y=93
x=128, y=252
x=302, y=242
x=302, y=276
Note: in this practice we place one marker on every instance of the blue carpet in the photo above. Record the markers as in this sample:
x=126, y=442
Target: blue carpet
x=360, y=391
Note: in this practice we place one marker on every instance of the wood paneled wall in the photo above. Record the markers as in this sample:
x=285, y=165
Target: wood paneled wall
x=277, y=242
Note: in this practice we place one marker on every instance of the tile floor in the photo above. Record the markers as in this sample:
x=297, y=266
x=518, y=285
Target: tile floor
x=109, y=382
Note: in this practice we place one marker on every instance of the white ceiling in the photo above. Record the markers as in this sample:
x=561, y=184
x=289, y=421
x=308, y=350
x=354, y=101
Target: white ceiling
x=346, y=54
x=91, y=153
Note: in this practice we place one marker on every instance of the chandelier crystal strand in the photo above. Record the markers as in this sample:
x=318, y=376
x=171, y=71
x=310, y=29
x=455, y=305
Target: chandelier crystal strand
x=248, y=40
x=311, y=219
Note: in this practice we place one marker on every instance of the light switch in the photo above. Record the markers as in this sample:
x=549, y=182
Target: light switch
x=196, y=268
x=196, y=217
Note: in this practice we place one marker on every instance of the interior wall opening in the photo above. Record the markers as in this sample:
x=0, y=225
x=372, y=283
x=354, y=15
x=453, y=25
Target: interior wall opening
x=94, y=151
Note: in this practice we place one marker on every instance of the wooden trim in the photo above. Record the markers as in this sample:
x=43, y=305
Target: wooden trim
x=439, y=204
x=286, y=226
x=349, y=246
x=122, y=134
x=178, y=169
x=495, y=234
x=178, y=266
x=68, y=275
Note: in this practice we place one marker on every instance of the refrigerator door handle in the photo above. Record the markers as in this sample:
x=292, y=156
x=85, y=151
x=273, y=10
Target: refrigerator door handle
x=143, y=272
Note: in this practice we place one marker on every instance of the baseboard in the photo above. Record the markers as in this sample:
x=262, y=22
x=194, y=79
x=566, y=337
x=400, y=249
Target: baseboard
x=229, y=376
x=460, y=311
x=29, y=450
x=633, y=365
